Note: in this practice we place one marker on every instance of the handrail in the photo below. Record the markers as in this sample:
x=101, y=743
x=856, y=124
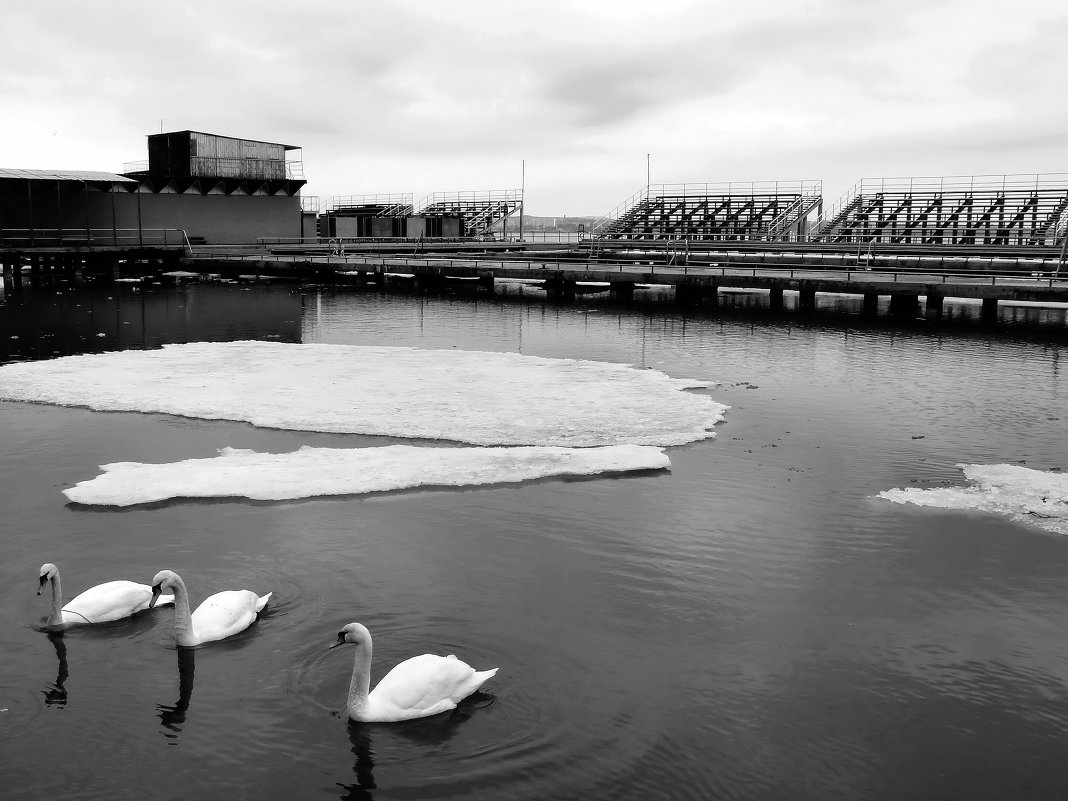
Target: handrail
x=647, y=194
x=1031, y=277
x=474, y=196
x=91, y=237
x=392, y=199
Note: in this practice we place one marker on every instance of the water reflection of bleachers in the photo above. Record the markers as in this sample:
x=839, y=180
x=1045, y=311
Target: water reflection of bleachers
x=968, y=210
x=715, y=212
x=478, y=211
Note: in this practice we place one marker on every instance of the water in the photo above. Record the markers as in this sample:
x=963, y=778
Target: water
x=753, y=624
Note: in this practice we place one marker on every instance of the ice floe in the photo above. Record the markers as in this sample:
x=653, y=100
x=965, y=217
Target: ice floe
x=471, y=397
x=310, y=472
x=1034, y=497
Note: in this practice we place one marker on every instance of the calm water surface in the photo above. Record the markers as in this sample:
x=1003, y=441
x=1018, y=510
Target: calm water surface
x=753, y=624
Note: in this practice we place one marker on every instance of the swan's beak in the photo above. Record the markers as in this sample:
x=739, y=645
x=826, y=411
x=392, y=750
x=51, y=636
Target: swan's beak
x=41, y=583
x=156, y=591
x=340, y=641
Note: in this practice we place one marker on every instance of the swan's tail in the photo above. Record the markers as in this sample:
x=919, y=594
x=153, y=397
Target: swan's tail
x=262, y=602
x=482, y=676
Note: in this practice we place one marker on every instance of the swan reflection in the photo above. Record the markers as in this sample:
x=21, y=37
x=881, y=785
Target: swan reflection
x=423, y=732
x=360, y=737
x=172, y=717
x=56, y=694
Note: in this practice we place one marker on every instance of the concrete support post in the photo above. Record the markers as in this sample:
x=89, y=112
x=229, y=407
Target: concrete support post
x=621, y=291
x=775, y=302
x=934, y=306
x=989, y=313
x=15, y=275
x=871, y=304
x=427, y=282
x=904, y=305
x=806, y=300
x=687, y=295
x=558, y=289
x=711, y=296
x=486, y=282
x=9, y=278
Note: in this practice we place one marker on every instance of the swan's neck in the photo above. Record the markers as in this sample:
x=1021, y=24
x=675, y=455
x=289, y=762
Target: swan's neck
x=360, y=684
x=183, y=620
x=55, y=617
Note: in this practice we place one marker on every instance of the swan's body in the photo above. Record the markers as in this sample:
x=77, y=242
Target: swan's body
x=219, y=616
x=416, y=688
x=112, y=600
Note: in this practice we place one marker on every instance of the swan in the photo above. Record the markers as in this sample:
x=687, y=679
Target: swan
x=112, y=600
x=415, y=688
x=219, y=616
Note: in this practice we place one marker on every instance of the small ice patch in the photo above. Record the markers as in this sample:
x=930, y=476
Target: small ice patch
x=310, y=472
x=1021, y=494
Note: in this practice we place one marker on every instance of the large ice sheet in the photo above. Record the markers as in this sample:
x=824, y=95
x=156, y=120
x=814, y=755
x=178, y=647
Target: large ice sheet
x=310, y=472
x=1029, y=496
x=462, y=396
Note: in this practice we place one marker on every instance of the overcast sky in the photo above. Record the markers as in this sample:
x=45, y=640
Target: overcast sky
x=425, y=97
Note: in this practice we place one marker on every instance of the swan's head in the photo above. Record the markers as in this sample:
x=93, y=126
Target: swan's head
x=48, y=572
x=164, y=580
x=354, y=633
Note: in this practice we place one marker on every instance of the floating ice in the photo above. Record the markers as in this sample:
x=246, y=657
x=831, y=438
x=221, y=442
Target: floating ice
x=462, y=396
x=310, y=472
x=1019, y=493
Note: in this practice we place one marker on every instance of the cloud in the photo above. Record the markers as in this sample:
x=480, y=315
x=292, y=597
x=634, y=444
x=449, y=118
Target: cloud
x=416, y=96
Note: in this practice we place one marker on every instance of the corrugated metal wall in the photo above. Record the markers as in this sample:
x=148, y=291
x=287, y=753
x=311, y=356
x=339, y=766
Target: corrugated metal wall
x=224, y=157
x=190, y=153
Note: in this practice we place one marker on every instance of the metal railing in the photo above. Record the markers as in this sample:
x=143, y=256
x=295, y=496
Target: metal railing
x=475, y=197
x=648, y=194
x=946, y=185
x=945, y=270
x=19, y=238
x=397, y=203
x=219, y=167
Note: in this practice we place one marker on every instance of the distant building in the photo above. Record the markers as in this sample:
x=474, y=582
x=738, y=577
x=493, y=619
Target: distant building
x=209, y=188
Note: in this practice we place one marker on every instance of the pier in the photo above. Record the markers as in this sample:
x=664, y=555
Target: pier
x=930, y=277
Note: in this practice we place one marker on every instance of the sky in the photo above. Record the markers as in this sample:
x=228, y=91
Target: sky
x=579, y=103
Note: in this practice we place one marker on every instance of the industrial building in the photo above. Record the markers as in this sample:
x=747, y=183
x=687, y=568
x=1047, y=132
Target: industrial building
x=194, y=188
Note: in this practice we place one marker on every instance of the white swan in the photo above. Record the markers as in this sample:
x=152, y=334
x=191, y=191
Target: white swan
x=219, y=616
x=416, y=688
x=112, y=600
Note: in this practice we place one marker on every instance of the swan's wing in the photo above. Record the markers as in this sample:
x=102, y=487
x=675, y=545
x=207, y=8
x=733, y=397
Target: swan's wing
x=425, y=685
x=111, y=600
x=224, y=614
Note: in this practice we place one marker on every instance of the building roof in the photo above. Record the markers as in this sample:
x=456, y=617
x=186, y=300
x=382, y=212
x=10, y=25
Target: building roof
x=224, y=136
x=63, y=175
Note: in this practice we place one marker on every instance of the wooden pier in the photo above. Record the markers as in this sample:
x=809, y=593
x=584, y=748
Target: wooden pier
x=693, y=284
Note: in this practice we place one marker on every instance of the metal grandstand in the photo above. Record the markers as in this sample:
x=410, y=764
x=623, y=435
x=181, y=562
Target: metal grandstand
x=951, y=210
x=715, y=212
x=478, y=210
x=389, y=205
